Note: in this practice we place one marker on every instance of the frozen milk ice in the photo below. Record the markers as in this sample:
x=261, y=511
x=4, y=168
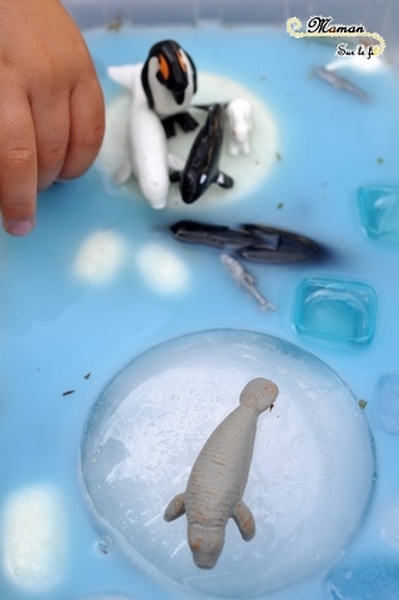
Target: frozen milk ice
x=162, y=268
x=336, y=311
x=311, y=474
x=34, y=538
x=99, y=257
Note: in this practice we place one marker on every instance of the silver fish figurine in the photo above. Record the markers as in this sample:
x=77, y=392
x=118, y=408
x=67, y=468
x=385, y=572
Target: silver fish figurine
x=245, y=280
x=340, y=83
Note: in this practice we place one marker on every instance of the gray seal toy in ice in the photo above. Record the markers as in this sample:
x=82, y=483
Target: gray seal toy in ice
x=217, y=481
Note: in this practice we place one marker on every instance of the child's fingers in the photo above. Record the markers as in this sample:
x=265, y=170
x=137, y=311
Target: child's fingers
x=52, y=125
x=87, y=124
x=18, y=160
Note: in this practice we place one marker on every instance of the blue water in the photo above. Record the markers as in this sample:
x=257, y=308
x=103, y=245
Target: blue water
x=56, y=328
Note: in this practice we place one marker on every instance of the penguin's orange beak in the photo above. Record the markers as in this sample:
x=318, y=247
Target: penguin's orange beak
x=173, y=74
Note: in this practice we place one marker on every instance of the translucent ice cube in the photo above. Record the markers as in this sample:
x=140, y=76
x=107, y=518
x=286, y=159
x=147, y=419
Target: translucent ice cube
x=367, y=579
x=379, y=211
x=311, y=474
x=388, y=520
x=386, y=402
x=336, y=311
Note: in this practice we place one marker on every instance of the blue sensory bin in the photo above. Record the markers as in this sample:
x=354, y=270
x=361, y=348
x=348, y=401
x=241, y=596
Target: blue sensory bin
x=123, y=348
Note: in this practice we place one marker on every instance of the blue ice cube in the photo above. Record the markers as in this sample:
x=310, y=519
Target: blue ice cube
x=386, y=402
x=369, y=579
x=379, y=211
x=336, y=310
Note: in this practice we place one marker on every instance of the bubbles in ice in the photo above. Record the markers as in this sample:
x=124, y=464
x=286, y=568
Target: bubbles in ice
x=104, y=544
x=310, y=479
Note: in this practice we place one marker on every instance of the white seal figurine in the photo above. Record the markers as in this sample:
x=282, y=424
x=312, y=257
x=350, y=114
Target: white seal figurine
x=219, y=476
x=239, y=116
x=148, y=157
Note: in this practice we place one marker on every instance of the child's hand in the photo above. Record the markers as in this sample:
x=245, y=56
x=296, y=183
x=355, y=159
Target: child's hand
x=51, y=106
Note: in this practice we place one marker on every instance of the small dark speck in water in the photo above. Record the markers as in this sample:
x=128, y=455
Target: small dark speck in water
x=116, y=23
x=380, y=160
x=280, y=205
x=87, y=376
x=362, y=404
x=68, y=392
x=278, y=156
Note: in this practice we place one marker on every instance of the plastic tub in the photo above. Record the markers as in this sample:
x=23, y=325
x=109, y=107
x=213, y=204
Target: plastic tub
x=123, y=348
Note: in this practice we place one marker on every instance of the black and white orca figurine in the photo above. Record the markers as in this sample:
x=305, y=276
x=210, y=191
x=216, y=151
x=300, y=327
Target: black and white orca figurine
x=202, y=166
x=169, y=80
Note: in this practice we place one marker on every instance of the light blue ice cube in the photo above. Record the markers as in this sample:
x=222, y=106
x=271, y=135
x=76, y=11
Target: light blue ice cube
x=379, y=212
x=336, y=310
x=386, y=403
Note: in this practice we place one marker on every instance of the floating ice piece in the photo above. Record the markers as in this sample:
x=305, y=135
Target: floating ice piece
x=239, y=118
x=336, y=311
x=34, y=539
x=379, y=211
x=311, y=473
x=386, y=402
x=99, y=256
x=249, y=171
x=368, y=578
x=162, y=268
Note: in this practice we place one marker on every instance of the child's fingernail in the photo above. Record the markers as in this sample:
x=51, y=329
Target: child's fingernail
x=19, y=228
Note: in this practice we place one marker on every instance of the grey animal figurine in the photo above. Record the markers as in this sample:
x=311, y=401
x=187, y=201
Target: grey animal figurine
x=217, y=481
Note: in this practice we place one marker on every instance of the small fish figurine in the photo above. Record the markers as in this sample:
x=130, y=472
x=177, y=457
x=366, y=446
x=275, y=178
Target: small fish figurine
x=202, y=166
x=217, y=481
x=340, y=83
x=245, y=279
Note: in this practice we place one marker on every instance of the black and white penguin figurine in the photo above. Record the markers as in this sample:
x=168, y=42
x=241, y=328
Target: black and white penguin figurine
x=169, y=80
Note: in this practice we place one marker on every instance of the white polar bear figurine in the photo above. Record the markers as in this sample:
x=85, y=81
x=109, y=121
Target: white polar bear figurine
x=239, y=115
